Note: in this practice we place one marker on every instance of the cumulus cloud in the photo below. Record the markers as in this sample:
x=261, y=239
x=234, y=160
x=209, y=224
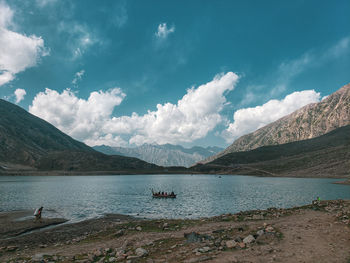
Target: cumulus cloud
x=163, y=31
x=20, y=93
x=91, y=121
x=17, y=52
x=78, y=76
x=197, y=113
x=250, y=119
x=82, y=119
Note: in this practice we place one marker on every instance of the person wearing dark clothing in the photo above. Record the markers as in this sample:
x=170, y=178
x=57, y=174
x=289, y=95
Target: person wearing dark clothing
x=38, y=213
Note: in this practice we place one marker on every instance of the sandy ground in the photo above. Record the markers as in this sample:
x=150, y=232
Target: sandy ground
x=314, y=233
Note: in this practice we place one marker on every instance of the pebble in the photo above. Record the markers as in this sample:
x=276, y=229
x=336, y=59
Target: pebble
x=138, y=228
x=230, y=243
x=241, y=245
x=119, y=233
x=260, y=232
x=141, y=252
x=249, y=239
x=269, y=229
x=11, y=248
x=204, y=249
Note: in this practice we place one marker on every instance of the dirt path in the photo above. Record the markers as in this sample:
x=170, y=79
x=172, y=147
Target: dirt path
x=313, y=233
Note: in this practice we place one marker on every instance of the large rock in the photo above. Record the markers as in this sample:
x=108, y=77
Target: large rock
x=141, y=252
x=230, y=243
x=249, y=239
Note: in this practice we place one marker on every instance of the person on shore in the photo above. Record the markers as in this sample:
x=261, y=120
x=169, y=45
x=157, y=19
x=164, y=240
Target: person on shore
x=38, y=213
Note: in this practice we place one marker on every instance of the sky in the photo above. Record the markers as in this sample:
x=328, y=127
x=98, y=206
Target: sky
x=127, y=72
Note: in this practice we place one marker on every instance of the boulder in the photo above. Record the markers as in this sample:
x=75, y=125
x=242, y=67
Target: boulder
x=141, y=252
x=270, y=229
x=260, y=232
x=249, y=239
x=230, y=243
x=204, y=249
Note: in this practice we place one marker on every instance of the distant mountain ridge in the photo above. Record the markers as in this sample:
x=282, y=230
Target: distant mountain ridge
x=310, y=121
x=325, y=156
x=28, y=142
x=163, y=155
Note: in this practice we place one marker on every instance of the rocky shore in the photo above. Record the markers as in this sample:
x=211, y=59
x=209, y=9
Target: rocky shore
x=319, y=232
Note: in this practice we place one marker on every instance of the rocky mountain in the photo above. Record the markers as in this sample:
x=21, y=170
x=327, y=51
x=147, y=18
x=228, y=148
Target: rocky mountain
x=324, y=156
x=163, y=155
x=311, y=121
x=28, y=142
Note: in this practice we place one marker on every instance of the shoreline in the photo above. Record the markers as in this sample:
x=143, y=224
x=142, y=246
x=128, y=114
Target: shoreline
x=118, y=173
x=302, y=233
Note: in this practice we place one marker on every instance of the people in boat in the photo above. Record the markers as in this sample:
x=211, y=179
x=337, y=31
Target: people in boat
x=165, y=194
x=38, y=213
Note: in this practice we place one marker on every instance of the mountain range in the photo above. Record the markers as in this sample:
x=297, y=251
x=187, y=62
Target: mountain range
x=163, y=155
x=310, y=121
x=30, y=143
x=312, y=141
x=324, y=156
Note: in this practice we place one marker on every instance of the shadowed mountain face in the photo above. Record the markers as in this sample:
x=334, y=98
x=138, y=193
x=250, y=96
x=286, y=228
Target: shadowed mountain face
x=24, y=138
x=164, y=155
x=30, y=141
x=311, y=121
x=327, y=155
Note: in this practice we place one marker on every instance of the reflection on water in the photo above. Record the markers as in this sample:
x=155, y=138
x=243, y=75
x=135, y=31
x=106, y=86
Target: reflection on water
x=82, y=197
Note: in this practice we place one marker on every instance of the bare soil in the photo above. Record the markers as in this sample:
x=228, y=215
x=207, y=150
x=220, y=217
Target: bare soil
x=319, y=232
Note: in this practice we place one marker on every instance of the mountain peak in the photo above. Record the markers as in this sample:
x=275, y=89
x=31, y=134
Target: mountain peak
x=308, y=122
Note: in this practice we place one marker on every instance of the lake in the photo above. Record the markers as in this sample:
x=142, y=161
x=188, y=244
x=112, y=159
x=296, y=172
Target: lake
x=82, y=197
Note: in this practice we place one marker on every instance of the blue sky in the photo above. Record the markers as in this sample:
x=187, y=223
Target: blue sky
x=216, y=69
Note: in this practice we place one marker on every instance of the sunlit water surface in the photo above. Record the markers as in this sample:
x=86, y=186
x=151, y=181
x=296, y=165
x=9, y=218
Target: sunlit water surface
x=82, y=197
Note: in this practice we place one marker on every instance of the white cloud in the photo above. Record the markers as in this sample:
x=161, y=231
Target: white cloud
x=197, y=113
x=339, y=49
x=20, y=93
x=91, y=121
x=120, y=14
x=17, y=52
x=79, y=38
x=163, y=31
x=250, y=119
x=43, y=3
x=82, y=119
x=6, y=15
x=5, y=77
x=78, y=76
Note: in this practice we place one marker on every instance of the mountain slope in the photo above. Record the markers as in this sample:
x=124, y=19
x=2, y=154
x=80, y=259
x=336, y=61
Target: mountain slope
x=327, y=155
x=26, y=140
x=163, y=155
x=308, y=122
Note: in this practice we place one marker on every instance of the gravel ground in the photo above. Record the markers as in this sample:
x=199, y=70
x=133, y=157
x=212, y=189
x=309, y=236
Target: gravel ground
x=319, y=232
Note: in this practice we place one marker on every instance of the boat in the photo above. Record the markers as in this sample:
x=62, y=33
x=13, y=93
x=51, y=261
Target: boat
x=163, y=195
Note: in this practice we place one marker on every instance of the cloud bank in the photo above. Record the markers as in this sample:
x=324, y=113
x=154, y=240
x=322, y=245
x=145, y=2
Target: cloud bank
x=82, y=119
x=17, y=51
x=91, y=121
x=250, y=119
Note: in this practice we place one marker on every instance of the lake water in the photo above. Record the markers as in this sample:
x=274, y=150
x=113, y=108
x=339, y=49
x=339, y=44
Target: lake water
x=81, y=197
